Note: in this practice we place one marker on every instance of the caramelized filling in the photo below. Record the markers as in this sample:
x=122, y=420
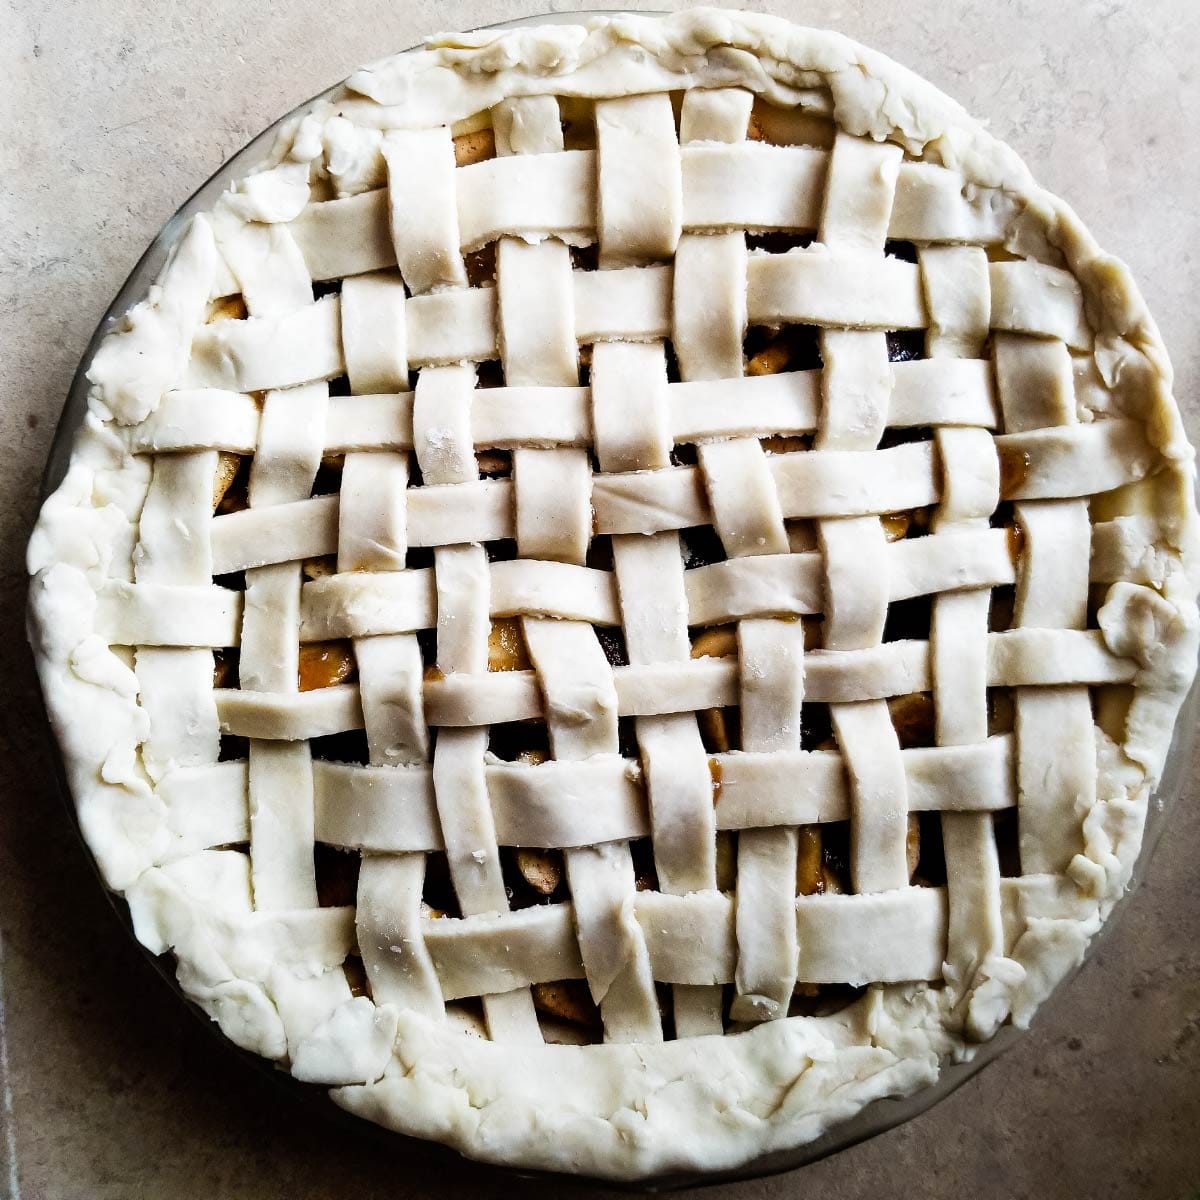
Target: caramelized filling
x=326, y=664
x=718, y=729
x=1002, y=611
x=717, y=772
x=913, y=717
x=1001, y=712
x=1112, y=703
x=228, y=466
x=494, y=464
x=895, y=525
x=810, y=862
x=579, y=135
x=718, y=726
x=726, y=860
x=786, y=444
x=227, y=308
x=790, y=348
x=231, y=484
x=225, y=667
x=1014, y=470
x=541, y=869
x=912, y=844
x=835, y=855
x=717, y=641
x=474, y=147
x=1016, y=541
x=790, y=126
x=568, y=1000
x=481, y=265
x=317, y=568
x=506, y=646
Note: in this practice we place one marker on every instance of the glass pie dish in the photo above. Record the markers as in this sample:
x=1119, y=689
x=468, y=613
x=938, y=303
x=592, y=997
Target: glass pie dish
x=876, y=1116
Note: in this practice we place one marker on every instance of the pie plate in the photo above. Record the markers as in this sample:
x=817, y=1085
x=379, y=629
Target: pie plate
x=701, y=589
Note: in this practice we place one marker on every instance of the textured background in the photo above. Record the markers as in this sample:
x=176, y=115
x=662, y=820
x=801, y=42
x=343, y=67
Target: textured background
x=116, y=112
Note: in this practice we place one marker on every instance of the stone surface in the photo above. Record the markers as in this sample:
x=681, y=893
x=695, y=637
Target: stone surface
x=108, y=1087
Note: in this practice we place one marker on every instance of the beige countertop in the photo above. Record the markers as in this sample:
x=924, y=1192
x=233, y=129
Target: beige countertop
x=116, y=112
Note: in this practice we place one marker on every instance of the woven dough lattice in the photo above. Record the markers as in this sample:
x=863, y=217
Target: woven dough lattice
x=751, y=616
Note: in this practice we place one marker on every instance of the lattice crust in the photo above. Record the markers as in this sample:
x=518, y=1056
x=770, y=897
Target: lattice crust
x=827, y=531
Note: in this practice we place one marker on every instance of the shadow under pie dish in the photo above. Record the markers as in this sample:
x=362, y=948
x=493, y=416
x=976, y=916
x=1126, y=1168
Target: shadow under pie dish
x=625, y=594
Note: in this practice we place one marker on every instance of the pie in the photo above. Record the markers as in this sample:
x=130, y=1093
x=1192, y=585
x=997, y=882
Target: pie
x=625, y=593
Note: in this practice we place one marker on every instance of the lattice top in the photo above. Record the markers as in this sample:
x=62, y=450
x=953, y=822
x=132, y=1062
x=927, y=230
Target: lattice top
x=706, y=561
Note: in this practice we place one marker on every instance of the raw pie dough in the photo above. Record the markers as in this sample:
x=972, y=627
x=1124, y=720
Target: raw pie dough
x=1040, y=402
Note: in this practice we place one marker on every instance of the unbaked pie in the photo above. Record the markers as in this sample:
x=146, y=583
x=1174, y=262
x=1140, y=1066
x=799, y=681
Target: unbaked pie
x=625, y=594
